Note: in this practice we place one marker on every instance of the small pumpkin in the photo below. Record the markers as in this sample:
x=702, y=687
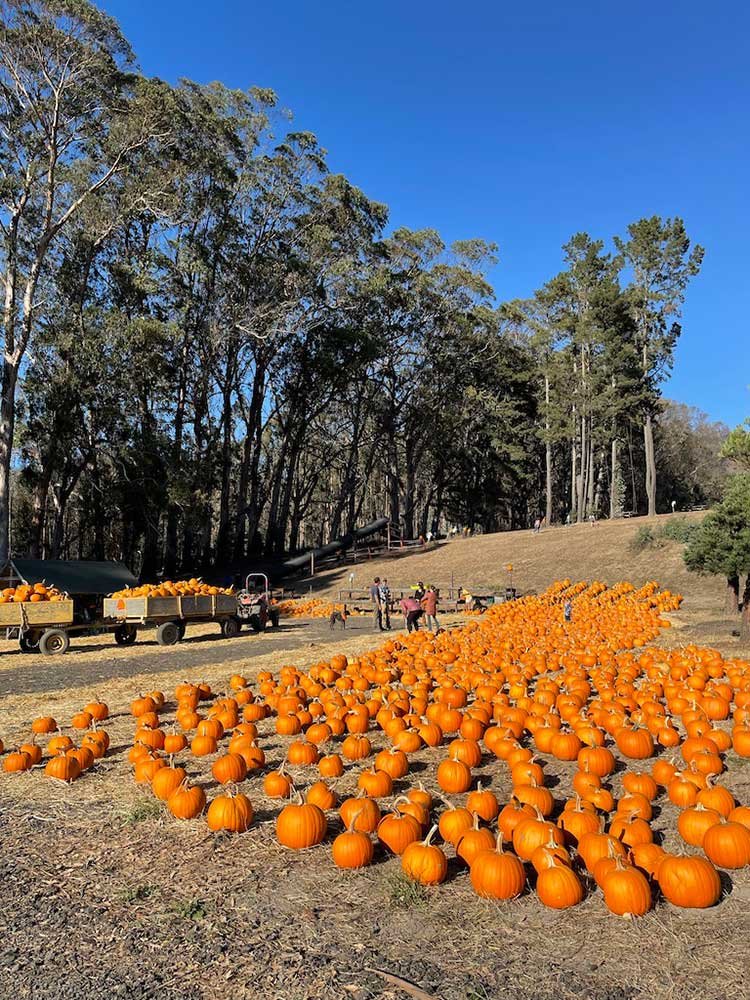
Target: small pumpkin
x=353, y=848
x=231, y=811
x=229, y=768
x=423, y=862
x=497, y=874
x=690, y=882
x=186, y=801
x=300, y=825
x=559, y=887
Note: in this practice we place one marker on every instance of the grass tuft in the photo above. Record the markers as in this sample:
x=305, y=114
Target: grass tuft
x=405, y=894
x=141, y=810
x=136, y=893
x=190, y=909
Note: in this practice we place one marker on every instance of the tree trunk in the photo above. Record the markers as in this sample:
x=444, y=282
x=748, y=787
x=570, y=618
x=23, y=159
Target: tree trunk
x=7, y=429
x=613, y=512
x=648, y=442
x=223, y=542
x=733, y=595
x=547, y=457
x=173, y=510
x=39, y=507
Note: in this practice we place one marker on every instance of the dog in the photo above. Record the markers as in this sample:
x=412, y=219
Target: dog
x=337, y=616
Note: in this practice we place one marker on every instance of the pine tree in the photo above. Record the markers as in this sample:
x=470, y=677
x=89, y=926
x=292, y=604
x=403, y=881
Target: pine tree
x=722, y=544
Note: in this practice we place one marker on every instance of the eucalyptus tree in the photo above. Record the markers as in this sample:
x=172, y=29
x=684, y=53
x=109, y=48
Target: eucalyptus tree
x=73, y=116
x=661, y=262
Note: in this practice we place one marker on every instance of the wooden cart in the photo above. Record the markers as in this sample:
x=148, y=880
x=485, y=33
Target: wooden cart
x=41, y=625
x=170, y=615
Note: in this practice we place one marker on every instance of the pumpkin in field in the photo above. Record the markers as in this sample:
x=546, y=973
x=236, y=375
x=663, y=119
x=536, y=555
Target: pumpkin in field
x=353, y=848
x=694, y=823
x=166, y=780
x=34, y=751
x=229, y=768
x=559, y=887
x=483, y=802
x=454, y=822
x=231, y=811
x=474, y=840
x=186, y=801
x=397, y=830
x=319, y=794
x=454, y=776
x=361, y=812
x=63, y=768
x=727, y=844
x=277, y=784
x=423, y=862
x=690, y=882
x=497, y=874
x=44, y=724
x=17, y=761
x=626, y=890
x=300, y=825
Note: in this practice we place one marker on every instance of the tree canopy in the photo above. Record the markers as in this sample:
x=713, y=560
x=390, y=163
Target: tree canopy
x=215, y=348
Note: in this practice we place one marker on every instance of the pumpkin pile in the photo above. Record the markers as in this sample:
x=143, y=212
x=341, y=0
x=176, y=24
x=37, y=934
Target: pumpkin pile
x=182, y=588
x=310, y=608
x=627, y=727
x=30, y=593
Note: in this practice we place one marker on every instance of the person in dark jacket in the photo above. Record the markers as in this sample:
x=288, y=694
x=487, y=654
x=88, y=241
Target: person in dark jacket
x=377, y=604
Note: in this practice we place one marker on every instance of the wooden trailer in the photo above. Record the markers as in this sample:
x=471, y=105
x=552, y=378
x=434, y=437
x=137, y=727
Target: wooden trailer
x=46, y=627
x=171, y=615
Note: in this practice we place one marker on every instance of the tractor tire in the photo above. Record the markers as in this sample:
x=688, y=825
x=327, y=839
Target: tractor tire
x=54, y=642
x=125, y=635
x=168, y=633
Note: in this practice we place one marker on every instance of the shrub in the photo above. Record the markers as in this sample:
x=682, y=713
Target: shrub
x=680, y=530
x=643, y=539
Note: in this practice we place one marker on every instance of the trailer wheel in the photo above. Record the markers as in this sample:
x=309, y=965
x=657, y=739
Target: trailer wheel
x=125, y=635
x=168, y=633
x=54, y=641
x=28, y=642
x=231, y=627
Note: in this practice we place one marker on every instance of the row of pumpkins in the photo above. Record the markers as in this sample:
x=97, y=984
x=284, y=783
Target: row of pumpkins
x=518, y=681
x=180, y=588
x=312, y=607
x=30, y=594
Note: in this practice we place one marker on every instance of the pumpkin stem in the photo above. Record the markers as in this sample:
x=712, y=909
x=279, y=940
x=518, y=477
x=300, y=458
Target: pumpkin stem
x=353, y=820
x=427, y=840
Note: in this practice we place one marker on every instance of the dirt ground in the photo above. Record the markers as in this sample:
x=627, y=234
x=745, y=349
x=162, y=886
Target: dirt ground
x=105, y=895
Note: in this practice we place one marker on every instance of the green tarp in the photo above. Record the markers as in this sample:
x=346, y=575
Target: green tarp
x=73, y=576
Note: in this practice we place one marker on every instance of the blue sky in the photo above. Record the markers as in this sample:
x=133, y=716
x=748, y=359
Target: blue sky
x=520, y=123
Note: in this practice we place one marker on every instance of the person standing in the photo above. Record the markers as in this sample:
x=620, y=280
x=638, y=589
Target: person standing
x=429, y=606
x=385, y=604
x=568, y=610
x=419, y=590
x=412, y=612
x=377, y=605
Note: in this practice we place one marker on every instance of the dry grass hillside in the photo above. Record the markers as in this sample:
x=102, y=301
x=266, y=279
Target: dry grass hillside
x=581, y=552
